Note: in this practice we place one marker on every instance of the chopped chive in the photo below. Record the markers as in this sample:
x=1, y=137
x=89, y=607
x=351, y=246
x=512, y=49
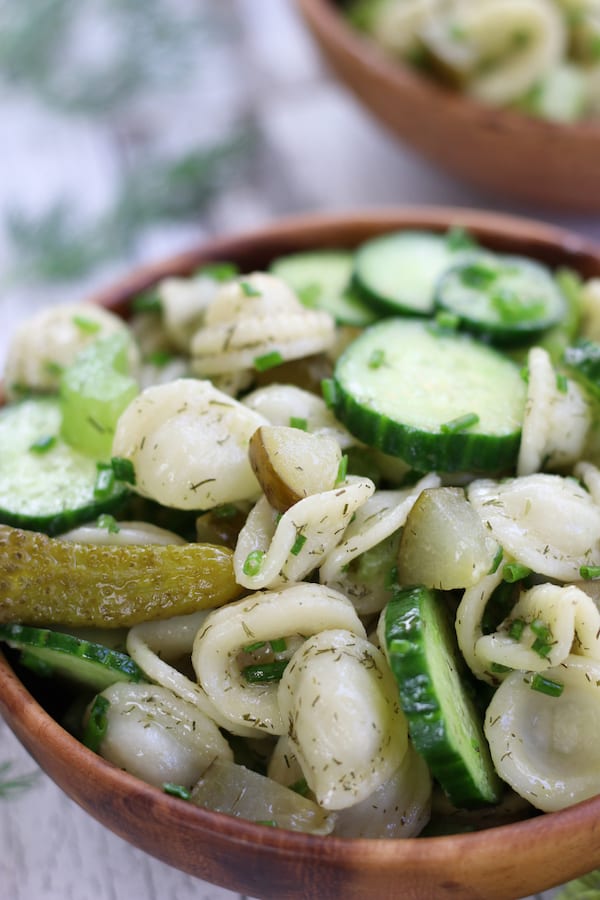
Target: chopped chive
x=546, y=685
x=461, y=423
x=105, y=481
x=541, y=629
x=512, y=309
x=249, y=289
x=278, y=645
x=53, y=368
x=328, y=391
x=43, y=444
x=543, y=640
x=517, y=626
x=253, y=562
x=342, y=470
x=541, y=647
x=89, y=326
x=268, y=361
x=459, y=239
x=123, y=469
x=588, y=572
x=270, y=823
x=309, y=295
x=496, y=561
x=176, y=790
x=298, y=422
x=513, y=572
x=219, y=271
x=446, y=320
x=251, y=648
x=148, y=302
x=477, y=275
x=265, y=672
x=392, y=578
x=562, y=383
x=109, y=523
x=524, y=373
x=225, y=511
x=376, y=359
x=97, y=724
x=160, y=358
x=17, y=783
x=298, y=544
x=35, y=664
x=300, y=787
x=499, y=668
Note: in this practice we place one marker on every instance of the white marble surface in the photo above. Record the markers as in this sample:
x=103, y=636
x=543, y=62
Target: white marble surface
x=318, y=150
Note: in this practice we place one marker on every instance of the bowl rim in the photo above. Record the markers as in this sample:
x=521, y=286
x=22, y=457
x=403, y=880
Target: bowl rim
x=327, y=15
x=49, y=743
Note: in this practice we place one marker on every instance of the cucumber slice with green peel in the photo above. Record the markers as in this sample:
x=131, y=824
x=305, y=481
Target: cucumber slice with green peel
x=507, y=298
x=399, y=271
x=94, y=391
x=442, y=401
x=321, y=279
x=45, y=484
x=443, y=722
x=582, y=360
x=52, y=653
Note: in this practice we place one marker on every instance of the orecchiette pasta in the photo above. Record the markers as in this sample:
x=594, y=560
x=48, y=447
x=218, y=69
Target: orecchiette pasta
x=566, y=616
x=45, y=344
x=546, y=522
x=548, y=747
x=157, y=736
x=557, y=419
x=377, y=519
x=303, y=609
x=275, y=402
x=400, y=808
x=289, y=547
x=157, y=646
x=339, y=703
x=188, y=442
x=252, y=319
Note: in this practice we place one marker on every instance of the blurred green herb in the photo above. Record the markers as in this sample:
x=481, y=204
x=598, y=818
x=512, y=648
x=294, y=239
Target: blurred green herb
x=10, y=786
x=585, y=888
x=58, y=245
x=97, y=60
x=129, y=47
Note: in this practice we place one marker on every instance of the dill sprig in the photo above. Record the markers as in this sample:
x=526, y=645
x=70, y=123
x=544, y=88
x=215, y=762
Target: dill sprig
x=16, y=784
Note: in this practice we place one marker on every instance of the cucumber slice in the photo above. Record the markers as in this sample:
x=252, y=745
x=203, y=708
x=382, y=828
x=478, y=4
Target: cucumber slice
x=507, y=298
x=94, y=391
x=582, y=360
x=321, y=279
x=441, y=401
x=443, y=722
x=399, y=271
x=46, y=485
x=52, y=653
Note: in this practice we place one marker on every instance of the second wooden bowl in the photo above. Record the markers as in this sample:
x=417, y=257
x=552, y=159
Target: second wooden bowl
x=514, y=156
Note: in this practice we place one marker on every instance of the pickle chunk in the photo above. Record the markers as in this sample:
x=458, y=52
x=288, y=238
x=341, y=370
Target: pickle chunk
x=46, y=581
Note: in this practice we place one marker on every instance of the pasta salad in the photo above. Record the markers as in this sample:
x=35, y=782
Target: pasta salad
x=319, y=546
x=538, y=56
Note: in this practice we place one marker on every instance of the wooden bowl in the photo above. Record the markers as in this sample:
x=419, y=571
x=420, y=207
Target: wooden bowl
x=501, y=863
x=514, y=156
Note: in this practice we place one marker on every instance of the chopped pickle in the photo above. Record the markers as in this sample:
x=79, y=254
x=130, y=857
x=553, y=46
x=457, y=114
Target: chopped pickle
x=48, y=581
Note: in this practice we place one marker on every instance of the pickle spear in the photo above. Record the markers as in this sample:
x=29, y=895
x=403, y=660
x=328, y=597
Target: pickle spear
x=46, y=581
